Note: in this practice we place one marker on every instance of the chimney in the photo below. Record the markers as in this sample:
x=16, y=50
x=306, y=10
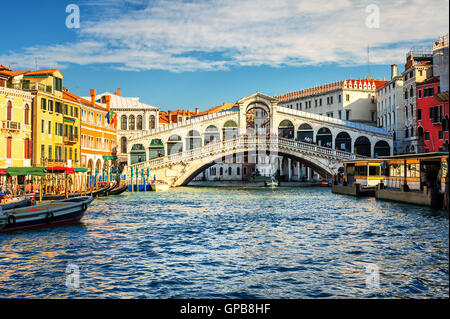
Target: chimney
x=393, y=70
x=93, y=94
x=108, y=102
x=118, y=92
x=196, y=110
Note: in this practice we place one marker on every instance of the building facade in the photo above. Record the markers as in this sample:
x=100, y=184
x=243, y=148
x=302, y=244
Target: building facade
x=430, y=112
x=390, y=109
x=98, y=135
x=15, y=125
x=133, y=117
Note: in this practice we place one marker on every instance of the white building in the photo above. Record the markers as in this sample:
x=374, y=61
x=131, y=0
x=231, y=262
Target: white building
x=133, y=117
x=350, y=100
x=390, y=109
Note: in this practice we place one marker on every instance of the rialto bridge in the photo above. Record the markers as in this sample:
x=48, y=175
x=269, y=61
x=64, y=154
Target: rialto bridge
x=178, y=152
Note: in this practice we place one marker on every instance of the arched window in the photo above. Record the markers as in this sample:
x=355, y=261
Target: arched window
x=9, y=111
x=131, y=123
x=151, y=122
x=139, y=122
x=230, y=171
x=123, y=144
x=123, y=122
x=27, y=114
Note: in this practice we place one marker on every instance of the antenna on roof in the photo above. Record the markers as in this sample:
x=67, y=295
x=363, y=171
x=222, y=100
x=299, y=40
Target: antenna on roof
x=368, y=61
x=36, y=64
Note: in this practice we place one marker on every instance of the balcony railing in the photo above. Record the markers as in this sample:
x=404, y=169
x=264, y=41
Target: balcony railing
x=71, y=139
x=10, y=125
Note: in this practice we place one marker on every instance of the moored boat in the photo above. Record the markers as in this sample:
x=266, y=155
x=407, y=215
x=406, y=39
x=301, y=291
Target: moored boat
x=119, y=189
x=56, y=213
x=159, y=186
x=15, y=202
x=272, y=182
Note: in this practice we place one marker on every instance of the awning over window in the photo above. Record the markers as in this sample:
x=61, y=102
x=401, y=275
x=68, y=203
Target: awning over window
x=34, y=171
x=60, y=169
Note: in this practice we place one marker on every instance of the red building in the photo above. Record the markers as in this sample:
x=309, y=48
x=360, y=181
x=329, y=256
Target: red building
x=431, y=112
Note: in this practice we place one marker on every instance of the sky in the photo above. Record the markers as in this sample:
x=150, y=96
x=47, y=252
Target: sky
x=183, y=54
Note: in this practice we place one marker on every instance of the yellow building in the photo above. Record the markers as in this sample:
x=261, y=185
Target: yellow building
x=15, y=122
x=56, y=121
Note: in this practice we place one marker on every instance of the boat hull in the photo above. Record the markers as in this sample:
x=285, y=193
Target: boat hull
x=41, y=216
x=160, y=187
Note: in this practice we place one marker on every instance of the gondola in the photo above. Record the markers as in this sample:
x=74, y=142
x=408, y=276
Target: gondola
x=96, y=193
x=55, y=213
x=119, y=189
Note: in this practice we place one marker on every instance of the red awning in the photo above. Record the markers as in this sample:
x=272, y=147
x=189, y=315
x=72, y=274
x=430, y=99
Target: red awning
x=2, y=171
x=60, y=169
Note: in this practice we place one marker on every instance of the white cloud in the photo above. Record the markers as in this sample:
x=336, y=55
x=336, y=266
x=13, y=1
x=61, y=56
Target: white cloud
x=217, y=34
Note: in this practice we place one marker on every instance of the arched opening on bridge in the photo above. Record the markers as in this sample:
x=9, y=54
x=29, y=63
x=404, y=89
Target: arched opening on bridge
x=305, y=133
x=131, y=123
x=324, y=137
x=137, y=154
x=249, y=167
x=156, y=149
x=174, y=144
x=343, y=142
x=229, y=130
x=193, y=140
x=382, y=148
x=123, y=144
x=258, y=119
x=211, y=135
x=362, y=146
x=286, y=129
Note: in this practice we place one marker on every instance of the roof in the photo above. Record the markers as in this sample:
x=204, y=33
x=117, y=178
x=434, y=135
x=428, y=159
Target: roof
x=43, y=72
x=163, y=118
x=216, y=109
x=120, y=102
x=363, y=84
x=5, y=68
x=433, y=79
x=75, y=98
x=442, y=97
x=13, y=73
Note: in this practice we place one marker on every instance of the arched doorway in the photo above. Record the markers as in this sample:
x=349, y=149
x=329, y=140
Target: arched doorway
x=324, y=137
x=193, y=140
x=343, y=142
x=362, y=146
x=382, y=148
x=174, y=144
x=258, y=119
x=286, y=129
x=305, y=133
x=211, y=135
x=229, y=130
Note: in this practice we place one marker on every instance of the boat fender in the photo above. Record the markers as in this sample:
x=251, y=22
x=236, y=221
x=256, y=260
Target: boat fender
x=49, y=217
x=84, y=207
x=11, y=220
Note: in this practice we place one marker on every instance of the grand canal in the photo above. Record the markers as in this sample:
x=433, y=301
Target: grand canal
x=233, y=243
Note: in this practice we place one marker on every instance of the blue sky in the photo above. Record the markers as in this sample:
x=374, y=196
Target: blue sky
x=186, y=54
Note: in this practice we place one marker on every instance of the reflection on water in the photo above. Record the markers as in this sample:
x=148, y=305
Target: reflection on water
x=233, y=243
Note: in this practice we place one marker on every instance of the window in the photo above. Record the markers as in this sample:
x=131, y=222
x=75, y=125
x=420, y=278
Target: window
x=340, y=115
x=427, y=136
x=441, y=135
x=42, y=126
x=123, y=123
x=212, y=171
x=238, y=170
x=49, y=127
x=8, y=147
x=221, y=171
x=419, y=93
x=43, y=104
x=411, y=92
x=230, y=171
x=131, y=122
x=28, y=148
x=244, y=170
x=419, y=114
x=50, y=105
x=340, y=98
x=42, y=150
x=347, y=97
x=139, y=122
x=347, y=115
x=9, y=111
x=58, y=84
x=49, y=152
x=27, y=114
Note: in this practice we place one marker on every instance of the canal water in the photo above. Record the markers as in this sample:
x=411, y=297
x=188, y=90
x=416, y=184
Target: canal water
x=233, y=243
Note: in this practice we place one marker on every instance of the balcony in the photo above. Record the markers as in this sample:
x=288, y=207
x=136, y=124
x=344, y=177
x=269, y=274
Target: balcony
x=11, y=125
x=26, y=86
x=71, y=139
